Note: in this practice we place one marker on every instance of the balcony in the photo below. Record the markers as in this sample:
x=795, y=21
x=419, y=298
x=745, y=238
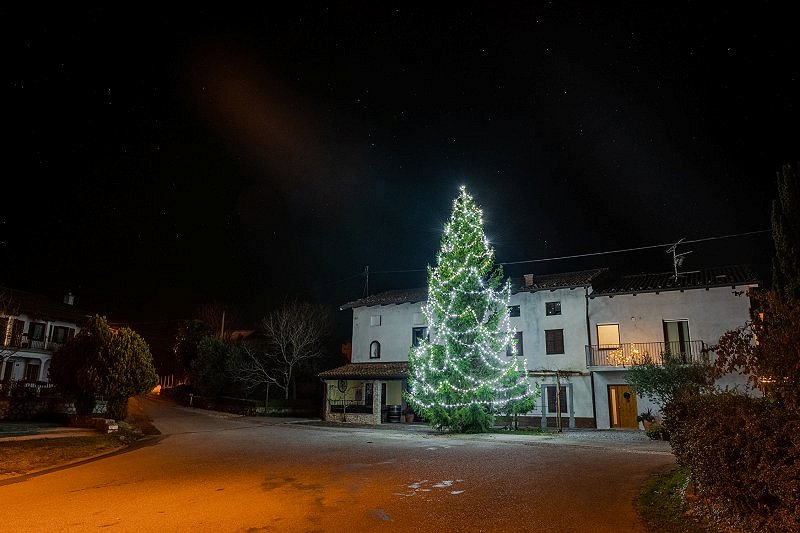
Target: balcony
x=634, y=353
x=22, y=343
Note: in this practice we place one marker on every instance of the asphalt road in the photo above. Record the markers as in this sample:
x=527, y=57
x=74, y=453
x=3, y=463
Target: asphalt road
x=211, y=472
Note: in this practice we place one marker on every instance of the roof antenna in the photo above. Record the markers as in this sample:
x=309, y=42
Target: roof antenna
x=677, y=259
x=366, y=282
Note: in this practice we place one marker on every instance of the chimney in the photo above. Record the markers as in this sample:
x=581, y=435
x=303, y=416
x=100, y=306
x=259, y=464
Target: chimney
x=528, y=280
x=69, y=298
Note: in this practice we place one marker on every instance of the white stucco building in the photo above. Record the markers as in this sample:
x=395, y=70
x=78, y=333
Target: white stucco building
x=32, y=327
x=585, y=327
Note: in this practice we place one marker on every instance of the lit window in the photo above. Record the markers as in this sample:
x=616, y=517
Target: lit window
x=608, y=336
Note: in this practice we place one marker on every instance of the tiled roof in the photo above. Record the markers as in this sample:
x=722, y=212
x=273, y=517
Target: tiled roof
x=41, y=307
x=581, y=278
x=564, y=280
x=665, y=281
x=367, y=371
x=403, y=296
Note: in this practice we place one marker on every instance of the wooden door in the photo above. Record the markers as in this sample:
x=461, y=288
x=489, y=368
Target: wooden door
x=622, y=407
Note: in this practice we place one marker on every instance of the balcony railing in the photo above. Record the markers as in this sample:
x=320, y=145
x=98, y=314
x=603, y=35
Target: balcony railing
x=22, y=343
x=634, y=353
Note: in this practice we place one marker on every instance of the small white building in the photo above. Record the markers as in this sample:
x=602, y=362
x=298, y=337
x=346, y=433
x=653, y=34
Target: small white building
x=578, y=333
x=32, y=327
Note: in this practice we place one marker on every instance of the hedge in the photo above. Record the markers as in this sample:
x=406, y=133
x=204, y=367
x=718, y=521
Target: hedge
x=744, y=455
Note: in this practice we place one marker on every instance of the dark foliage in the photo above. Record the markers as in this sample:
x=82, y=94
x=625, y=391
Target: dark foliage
x=99, y=361
x=786, y=234
x=767, y=349
x=744, y=455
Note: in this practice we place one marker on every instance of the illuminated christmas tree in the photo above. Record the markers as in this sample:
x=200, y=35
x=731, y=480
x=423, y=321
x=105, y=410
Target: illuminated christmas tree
x=463, y=374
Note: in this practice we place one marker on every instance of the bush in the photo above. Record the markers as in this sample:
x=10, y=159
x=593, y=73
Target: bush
x=744, y=455
x=657, y=432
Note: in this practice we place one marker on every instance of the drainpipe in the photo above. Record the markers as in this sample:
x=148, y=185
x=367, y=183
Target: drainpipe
x=589, y=348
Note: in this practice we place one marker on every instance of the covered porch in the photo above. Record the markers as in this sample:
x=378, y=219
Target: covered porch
x=365, y=393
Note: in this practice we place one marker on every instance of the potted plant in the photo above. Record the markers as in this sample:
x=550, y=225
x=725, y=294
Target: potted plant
x=409, y=415
x=646, y=418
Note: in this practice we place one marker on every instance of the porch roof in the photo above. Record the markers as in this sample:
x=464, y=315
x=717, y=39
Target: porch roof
x=396, y=370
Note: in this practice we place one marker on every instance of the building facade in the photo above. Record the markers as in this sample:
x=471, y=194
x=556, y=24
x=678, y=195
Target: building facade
x=32, y=327
x=578, y=333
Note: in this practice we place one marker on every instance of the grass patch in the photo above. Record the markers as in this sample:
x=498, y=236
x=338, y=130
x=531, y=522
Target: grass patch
x=21, y=457
x=662, y=506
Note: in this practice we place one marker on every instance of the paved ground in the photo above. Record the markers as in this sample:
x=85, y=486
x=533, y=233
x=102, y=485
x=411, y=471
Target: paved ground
x=215, y=472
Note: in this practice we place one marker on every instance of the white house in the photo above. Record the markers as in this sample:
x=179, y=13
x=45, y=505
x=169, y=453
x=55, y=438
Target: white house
x=653, y=314
x=577, y=332
x=32, y=327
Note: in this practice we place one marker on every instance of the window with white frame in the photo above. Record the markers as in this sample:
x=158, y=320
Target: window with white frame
x=62, y=334
x=550, y=395
x=608, y=336
x=374, y=350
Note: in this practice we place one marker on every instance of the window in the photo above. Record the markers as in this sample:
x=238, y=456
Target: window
x=608, y=336
x=375, y=350
x=554, y=341
x=552, y=308
x=676, y=336
x=36, y=331
x=62, y=334
x=418, y=334
x=375, y=320
x=32, y=372
x=515, y=348
x=513, y=310
x=550, y=391
x=8, y=373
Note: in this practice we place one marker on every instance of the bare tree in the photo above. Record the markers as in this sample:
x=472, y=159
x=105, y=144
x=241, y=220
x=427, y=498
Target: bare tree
x=293, y=335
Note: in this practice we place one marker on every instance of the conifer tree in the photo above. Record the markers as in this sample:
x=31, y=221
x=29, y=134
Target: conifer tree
x=786, y=234
x=463, y=373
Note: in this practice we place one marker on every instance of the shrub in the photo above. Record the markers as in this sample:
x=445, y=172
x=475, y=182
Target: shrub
x=657, y=432
x=744, y=455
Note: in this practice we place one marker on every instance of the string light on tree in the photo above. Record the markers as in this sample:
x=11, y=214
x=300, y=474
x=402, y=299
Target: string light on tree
x=463, y=374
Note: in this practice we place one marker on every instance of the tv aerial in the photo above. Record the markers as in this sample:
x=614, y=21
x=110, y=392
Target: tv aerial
x=677, y=258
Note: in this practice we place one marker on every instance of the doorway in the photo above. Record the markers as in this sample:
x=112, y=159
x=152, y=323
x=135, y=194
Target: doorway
x=622, y=407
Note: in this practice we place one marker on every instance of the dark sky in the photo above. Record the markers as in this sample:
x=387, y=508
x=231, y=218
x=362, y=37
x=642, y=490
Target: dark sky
x=159, y=159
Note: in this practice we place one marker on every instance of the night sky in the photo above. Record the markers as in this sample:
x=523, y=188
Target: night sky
x=158, y=160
